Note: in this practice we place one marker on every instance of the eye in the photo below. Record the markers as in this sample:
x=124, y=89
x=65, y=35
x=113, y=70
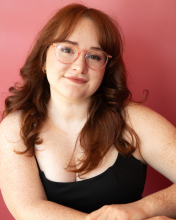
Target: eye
x=94, y=57
x=66, y=50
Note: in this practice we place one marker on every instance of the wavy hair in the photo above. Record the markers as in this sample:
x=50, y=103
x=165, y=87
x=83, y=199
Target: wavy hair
x=106, y=120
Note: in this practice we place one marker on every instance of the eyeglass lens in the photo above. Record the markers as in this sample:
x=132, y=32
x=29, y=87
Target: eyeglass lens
x=67, y=53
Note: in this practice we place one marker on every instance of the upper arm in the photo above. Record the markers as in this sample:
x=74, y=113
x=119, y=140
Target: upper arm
x=19, y=177
x=157, y=139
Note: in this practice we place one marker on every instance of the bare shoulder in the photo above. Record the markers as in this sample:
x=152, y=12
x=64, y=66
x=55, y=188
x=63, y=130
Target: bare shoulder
x=12, y=117
x=19, y=178
x=136, y=110
x=140, y=116
x=10, y=127
x=157, y=138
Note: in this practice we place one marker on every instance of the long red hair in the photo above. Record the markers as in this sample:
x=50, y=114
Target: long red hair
x=106, y=122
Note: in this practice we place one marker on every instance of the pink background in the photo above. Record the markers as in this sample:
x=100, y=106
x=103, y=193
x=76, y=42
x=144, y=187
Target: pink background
x=149, y=27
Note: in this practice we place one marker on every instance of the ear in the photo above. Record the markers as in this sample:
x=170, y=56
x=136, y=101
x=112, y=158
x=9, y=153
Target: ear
x=44, y=64
x=44, y=67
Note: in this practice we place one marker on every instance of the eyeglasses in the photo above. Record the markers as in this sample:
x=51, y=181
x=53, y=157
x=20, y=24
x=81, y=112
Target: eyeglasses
x=67, y=53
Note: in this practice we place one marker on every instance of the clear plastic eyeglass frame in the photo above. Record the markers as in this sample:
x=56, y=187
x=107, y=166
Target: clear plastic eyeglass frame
x=86, y=52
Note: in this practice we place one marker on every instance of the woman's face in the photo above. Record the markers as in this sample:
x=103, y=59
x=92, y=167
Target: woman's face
x=59, y=74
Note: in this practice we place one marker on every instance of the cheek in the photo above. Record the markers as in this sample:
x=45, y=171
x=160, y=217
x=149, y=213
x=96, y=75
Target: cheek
x=98, y=80
x=55, y=68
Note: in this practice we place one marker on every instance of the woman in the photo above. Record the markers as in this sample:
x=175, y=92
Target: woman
x=72, y=142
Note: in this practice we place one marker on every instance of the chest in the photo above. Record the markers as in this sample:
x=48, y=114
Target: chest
x=55, y=153
x=58, y=149
x=120, y=184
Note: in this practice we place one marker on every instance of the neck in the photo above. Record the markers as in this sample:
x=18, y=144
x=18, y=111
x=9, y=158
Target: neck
x=68, y=116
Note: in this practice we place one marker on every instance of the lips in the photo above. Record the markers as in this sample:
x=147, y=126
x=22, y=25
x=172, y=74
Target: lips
x=76, y=79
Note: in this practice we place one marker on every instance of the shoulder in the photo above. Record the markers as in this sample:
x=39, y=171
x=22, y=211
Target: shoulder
x=15, y=166
x=10, y=128
x=135, y=110
x=148, y=123
x=157, y=138
x=140, y=116
x=13, y=118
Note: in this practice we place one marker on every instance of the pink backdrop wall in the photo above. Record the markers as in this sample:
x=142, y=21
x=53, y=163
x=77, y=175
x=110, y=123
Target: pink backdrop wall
x=149, y=27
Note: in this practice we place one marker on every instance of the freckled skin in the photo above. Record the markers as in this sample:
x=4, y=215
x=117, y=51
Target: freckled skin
x=158, y=149
x=157, y=139
x=21, y=186
x=57, y=151
x=20, y=183
x=15, y=167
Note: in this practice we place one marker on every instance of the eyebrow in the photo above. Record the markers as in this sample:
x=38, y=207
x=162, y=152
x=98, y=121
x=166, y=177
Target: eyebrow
x=75, y=43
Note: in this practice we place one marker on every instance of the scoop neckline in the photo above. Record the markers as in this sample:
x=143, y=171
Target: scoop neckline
x=89, y=179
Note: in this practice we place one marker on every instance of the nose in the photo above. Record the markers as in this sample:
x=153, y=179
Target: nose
x=80, y=65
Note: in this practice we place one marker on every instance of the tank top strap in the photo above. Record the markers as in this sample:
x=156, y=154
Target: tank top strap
x=37, y=163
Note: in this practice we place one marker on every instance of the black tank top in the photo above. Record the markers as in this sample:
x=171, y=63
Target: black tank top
x=119, y=184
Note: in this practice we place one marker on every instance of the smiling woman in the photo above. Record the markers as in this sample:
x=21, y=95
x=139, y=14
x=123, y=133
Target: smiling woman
x=76, y=80
x=72, y=134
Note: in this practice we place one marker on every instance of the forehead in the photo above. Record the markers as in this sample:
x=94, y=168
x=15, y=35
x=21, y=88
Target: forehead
x=85, y=31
